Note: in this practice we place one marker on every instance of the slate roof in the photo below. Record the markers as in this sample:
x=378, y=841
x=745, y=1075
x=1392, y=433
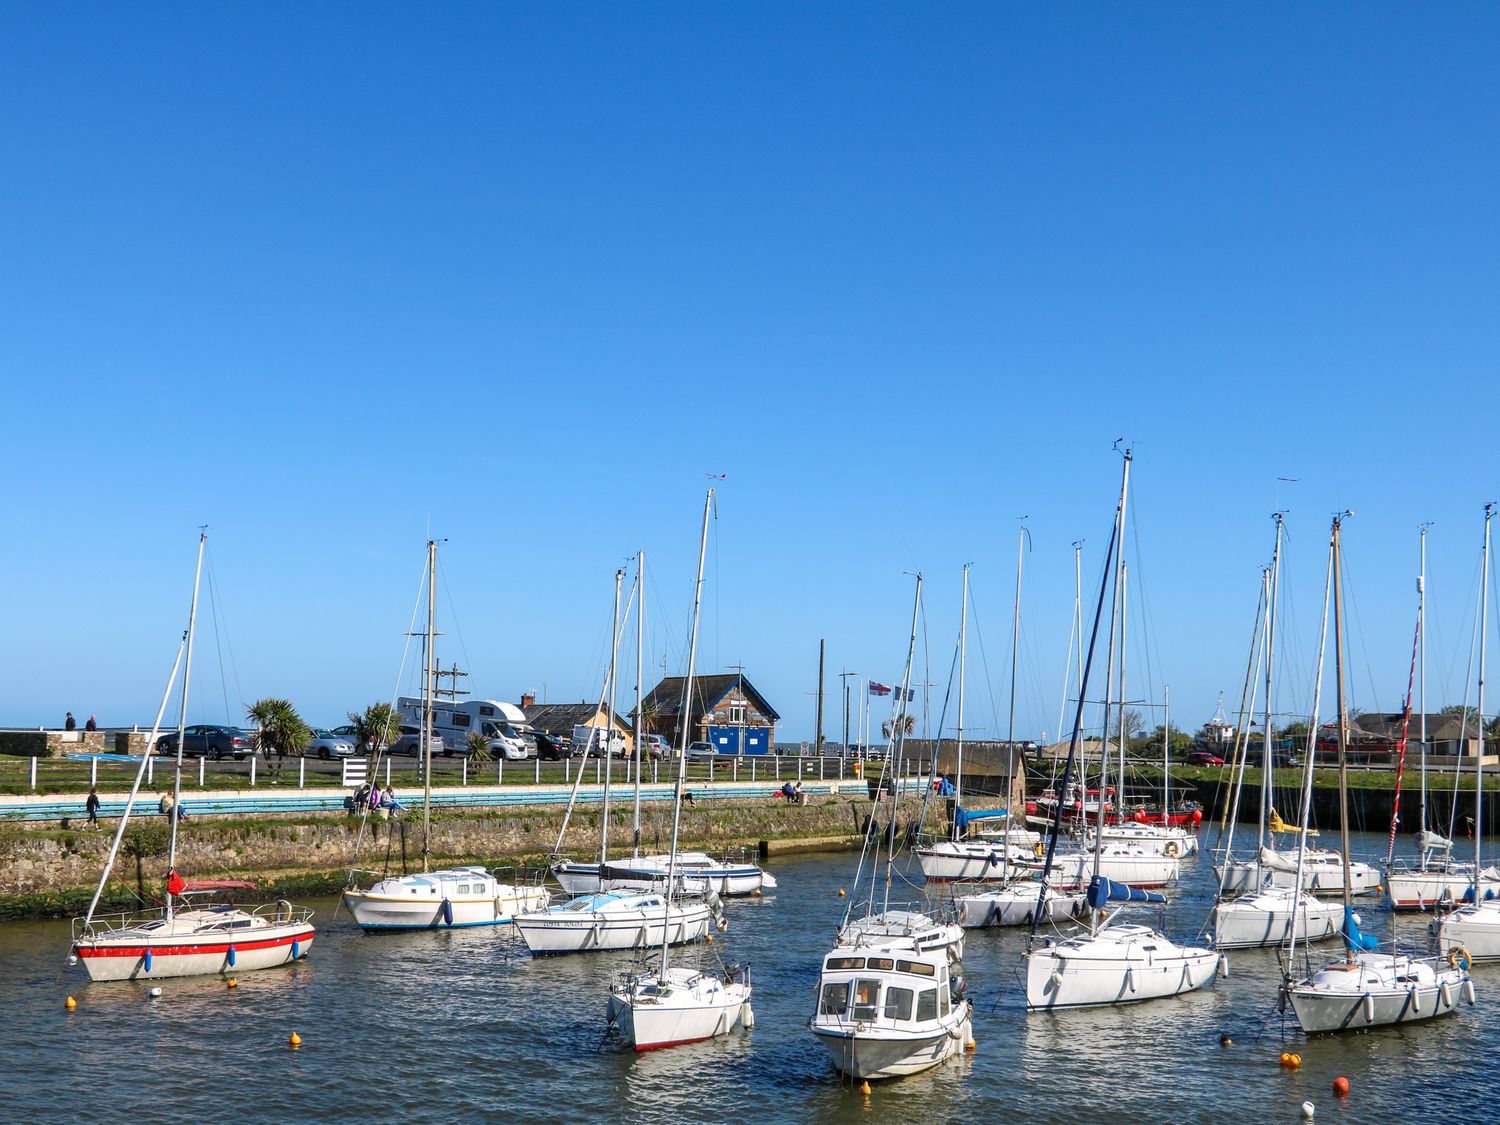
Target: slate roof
x=563, y=717
x=665, y=700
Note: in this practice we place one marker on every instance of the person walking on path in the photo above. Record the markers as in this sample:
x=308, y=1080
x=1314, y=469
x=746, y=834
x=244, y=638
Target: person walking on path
x=70, y=723
x=92, y=804
x=92, y=724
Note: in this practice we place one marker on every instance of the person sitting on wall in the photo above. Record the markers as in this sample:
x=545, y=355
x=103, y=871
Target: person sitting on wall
x=788, y=792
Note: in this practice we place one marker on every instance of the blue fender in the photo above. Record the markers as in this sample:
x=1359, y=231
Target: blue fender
x=231, y=956
x=447, y=912
x=296, y=949
x=148, y=960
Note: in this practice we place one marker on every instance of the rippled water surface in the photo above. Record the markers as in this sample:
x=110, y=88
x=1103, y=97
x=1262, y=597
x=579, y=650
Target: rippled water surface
x=444, y=1026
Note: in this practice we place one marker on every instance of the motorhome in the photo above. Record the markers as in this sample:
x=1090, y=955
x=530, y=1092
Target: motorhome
x=455, y=720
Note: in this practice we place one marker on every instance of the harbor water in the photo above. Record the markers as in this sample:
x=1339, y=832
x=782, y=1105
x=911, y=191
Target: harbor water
x=463, y=1024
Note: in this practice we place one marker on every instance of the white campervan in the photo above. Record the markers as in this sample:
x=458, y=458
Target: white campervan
x=600, y=735
x=455, y=720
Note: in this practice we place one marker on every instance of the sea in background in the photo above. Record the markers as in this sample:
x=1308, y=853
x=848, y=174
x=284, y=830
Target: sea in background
x=454, y=1025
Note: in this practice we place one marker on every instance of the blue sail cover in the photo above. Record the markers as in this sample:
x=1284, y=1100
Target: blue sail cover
x=962, y=817
x=1354, y=937
x=1102, y=890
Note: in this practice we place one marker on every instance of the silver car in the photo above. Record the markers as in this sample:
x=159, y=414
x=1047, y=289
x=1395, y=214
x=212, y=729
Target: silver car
x=327, y=745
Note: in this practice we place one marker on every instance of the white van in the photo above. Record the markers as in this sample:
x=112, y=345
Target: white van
x=455, y=719
x=601, y=736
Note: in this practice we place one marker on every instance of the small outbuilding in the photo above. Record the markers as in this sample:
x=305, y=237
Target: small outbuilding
x=726, y=711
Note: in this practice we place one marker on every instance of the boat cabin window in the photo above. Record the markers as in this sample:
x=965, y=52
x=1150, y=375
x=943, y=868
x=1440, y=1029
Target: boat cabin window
x=866, y=999
x=943, y=1001
x=881, y=962
x=463, y=889
x=927, y=1004
x=846, y=963
x=898, y=1002
x=916, y=967
x=835, y=999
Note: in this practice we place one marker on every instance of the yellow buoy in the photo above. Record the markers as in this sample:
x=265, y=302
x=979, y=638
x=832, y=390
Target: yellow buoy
x=757, y=892
x=232, y=982
x=969, y=1046
x=70, y=1003
x=710, y=939
x=841, y=892
x=864, y=1087
x=295, y=1041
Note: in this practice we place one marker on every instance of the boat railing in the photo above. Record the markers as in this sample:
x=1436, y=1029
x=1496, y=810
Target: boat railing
x=107, y=925
x=283, y=913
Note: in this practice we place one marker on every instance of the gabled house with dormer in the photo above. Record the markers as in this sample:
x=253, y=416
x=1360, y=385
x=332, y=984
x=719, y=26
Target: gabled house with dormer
x=726, y=711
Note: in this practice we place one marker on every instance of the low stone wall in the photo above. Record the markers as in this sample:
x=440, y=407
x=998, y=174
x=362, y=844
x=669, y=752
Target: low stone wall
x=41, y=866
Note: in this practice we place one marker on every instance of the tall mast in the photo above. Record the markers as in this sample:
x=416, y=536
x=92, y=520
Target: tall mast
x=609, y=730
x=1484, y=609
x=1265, y=770
x=1422, y=685
x=682, y=741
x=1075, y=632
x=1166, y=755
x=1343, y=726
x=1015, y=631
x=427, y=704
x=958, y=775
x=187, y=671
x=640, y=648
x=1123, y=735
x=1114, y=620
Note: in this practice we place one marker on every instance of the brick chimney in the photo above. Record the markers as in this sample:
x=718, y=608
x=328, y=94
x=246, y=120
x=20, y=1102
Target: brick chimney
x=528, y=698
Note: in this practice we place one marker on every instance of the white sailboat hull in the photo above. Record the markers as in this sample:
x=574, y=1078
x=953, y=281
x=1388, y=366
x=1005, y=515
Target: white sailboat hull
x=1265, y=918
x=194, y=943
x=557, y=931
x=1379, y=990
x=904, y=929
x=693, y=1007
x=976, y=861
x=1119, y=965
x=1017, y=905
x=1322, y=874
x=1473, y=929
x=1132, y=865
x=372, y=911
x=1428, y=890
x=696, y=874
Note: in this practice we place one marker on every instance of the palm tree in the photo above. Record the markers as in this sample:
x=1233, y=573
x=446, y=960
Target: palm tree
x=907, y=724
x=281, y=730
x=479, y=747
x=376, y=727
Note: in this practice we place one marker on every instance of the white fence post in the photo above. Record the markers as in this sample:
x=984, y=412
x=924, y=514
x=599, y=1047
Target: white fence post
x=301, y=773
x=151, y=767
x=252, y=771
x=202, y=766
x=538, y=769
x=32, y=771
x=387, y=772
x=463, y=778
x=94, y=771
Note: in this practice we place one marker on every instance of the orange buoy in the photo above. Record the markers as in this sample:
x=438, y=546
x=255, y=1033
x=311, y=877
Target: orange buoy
x=1341, y=1086
x=295, y=1041
x=1286, y=1058
x=864, y=1087
x=232, y=982
x=841, y=892
x=70, y=1003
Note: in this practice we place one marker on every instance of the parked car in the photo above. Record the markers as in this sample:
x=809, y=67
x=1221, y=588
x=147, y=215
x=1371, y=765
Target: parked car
x=1285, y=759
x=701, y=751
x=549, y=747
x=326, y=744
x=1204, y=758
x=410, y=742
x=350, y=734
x=654, y=748
x=203, y=741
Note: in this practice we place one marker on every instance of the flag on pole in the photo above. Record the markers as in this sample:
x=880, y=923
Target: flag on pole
x=878, y=688
x=905, y=696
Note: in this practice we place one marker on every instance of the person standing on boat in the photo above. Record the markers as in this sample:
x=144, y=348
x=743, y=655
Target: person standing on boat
x=92, y=804
x=70, y=723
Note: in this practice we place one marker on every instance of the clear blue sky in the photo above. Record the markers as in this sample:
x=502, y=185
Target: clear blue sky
x=329, y=278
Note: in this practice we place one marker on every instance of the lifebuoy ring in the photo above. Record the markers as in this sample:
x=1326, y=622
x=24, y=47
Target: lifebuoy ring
x=1040, y=850
x=1172, y=849
x=1459, y=957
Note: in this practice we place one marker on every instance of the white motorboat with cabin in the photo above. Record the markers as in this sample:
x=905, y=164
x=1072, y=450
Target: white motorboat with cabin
x=972, y=860
x=433, y=900
x=1120, y=863
x=904, y=929
x=1162, y=839
x=885, y=1012
x=696, y=873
